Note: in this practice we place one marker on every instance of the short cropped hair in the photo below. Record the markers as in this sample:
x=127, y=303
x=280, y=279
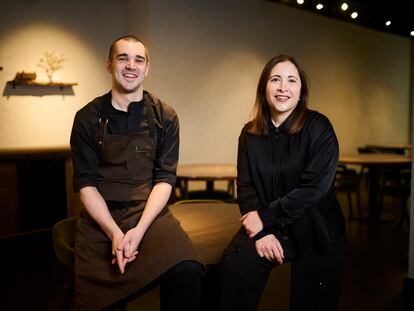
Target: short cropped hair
x=129, y=38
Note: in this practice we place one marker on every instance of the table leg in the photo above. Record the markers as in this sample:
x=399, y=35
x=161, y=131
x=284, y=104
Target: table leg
x=210, y=186
x=374, y=184
x=183, y=186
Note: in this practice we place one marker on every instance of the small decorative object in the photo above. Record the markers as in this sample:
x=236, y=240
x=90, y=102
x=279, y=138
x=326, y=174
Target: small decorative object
x=51, y=62
x=25, y=77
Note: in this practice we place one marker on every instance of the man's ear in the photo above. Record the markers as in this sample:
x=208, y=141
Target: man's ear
x=147, y=69
x=109, y=66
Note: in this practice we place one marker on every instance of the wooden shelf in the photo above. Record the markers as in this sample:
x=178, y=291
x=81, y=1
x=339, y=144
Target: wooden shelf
x=60, y=85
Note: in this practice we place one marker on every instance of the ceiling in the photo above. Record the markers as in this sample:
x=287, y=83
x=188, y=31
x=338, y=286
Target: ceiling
x=371, y=13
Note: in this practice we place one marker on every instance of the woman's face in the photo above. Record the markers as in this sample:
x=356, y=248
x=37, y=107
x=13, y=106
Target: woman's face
x=283, y=90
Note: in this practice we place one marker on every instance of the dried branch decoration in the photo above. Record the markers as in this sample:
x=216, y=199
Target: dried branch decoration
x=51, y=62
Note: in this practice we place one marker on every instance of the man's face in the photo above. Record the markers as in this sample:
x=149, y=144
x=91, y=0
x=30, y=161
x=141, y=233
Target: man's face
x=128, y=66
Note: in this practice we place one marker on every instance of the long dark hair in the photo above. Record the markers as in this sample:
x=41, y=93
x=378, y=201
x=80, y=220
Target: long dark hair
x=261, y=111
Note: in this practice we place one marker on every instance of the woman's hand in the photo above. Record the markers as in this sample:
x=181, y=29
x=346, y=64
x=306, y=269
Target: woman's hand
x=270, y=248
x=252, y=223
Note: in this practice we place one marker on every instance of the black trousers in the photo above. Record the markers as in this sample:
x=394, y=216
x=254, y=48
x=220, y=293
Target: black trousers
x=180, y=287
x=316, y=278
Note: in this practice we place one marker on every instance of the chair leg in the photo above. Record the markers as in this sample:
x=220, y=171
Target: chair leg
x=230, y=189
x=358, y=204
x=377, y=217
x=351, y=217
x=403, y=212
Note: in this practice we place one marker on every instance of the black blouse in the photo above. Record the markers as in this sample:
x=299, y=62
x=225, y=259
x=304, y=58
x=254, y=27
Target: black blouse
x=85, y=154
x=289, y=179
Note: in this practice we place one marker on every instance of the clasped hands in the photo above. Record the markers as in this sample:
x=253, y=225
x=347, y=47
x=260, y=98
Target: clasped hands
x=268, y=246
x=125, y=248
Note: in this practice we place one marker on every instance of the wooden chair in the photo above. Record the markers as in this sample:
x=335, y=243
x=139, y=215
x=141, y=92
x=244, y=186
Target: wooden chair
x=348, y=181
x=64, y=244
x=209, y=193
x=396, y=182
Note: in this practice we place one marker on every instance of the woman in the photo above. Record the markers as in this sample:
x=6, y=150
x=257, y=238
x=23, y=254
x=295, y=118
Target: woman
x=287, y=158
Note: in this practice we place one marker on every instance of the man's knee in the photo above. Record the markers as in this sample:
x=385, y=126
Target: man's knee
x=187, y=267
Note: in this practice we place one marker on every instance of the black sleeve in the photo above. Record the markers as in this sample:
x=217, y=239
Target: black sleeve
x=246, y=192
x=165, y=165
x=84, y=154
x=316, y=179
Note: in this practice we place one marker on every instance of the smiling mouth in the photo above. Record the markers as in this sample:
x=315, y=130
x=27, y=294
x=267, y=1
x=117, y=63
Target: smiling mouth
x=282, y=97
x=129, y=75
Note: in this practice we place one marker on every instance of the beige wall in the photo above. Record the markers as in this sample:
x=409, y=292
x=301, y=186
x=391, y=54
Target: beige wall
x=206, y=57
x=81, y=31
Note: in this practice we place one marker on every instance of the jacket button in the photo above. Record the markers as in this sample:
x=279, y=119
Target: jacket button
x=285, y=237
x=276, y=178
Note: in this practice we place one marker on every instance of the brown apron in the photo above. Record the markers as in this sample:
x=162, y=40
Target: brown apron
x=126, y=167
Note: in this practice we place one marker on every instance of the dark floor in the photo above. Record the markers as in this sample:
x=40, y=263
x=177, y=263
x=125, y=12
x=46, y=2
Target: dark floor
x=376, y=264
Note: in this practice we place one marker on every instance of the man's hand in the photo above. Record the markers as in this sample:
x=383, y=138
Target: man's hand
x=126, y=248
x=98, y=210
x=122, y=252
x=270, y=248
x=252, y=223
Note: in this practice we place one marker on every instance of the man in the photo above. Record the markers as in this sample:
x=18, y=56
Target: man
x=125, y=152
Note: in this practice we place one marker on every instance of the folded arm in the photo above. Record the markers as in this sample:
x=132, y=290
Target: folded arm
x=157, y=200
x=96, y=207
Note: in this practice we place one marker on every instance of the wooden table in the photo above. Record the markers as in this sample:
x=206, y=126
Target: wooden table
x=210, y=226
x=376, y=163
x=380, y=159
x=395, y=148
x=208, y=173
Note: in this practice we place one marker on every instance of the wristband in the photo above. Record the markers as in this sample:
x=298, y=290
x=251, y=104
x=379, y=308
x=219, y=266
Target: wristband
x=261, y=234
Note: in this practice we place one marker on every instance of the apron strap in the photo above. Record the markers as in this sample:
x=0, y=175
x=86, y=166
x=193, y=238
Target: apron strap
x=103, y=121
x=101, y=132
x=150, y=118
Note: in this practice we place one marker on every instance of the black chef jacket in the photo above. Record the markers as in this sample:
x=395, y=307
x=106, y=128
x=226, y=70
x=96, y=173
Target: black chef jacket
x=289, y=180
x=85, y=153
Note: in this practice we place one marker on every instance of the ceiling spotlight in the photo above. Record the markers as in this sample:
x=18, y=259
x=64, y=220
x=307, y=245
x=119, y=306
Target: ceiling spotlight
x=354, y=15
x=344, y=6
x=412, y=33
x=300, y=1
x=388, y=23
x=319, y=6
